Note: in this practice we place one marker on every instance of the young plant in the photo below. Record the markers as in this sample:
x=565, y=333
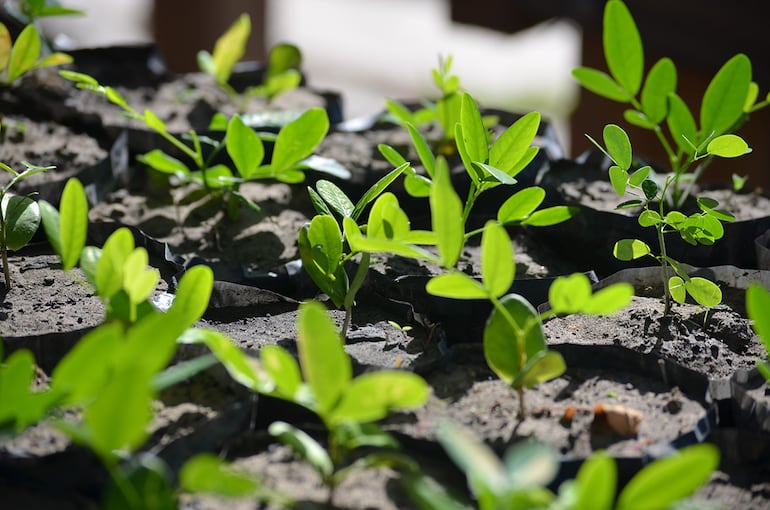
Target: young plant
x=347, y=405
x=321, y=243
x=654, y=104
x=488, y=165
x=521, y=478
x=757, y=307
x=112, y=376
x=291, y=156
x=281, y=75
x=322, y=382
x=702, y=227
x=514, y=341
x=21, y=56
x=29, y=11
x=118, y=271
x=19, y=216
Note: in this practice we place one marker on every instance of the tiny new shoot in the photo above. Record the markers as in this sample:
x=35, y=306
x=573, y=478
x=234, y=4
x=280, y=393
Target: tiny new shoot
x=514, y=341
x=729, y=99
x=281, y=74
x=19, y=216
x=704, y=227
x=758, y=310
x=347, y=405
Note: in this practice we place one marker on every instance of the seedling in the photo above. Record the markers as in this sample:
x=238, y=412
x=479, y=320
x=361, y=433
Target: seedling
x=321, y=243
x=19, y=216
x=757, y=307
x=514, y=342
x=281, y=75
x=703, y=228
x=292, y=152
x=118, y=271
x=520, y=479
x=488, y=165
x=22, y=56
x=654, y=105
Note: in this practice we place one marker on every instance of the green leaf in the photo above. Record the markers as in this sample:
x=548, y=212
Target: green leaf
x=138, y=280
x=650, y=189
x=661, y=81
x=325, y=241
x=387, y=220
x=50, y=219
x=638, y=177
x=596, y=483
x=474, y=134
x=54, y=59
x=531, y=464
x=757, y=305
x=315, y=261
x=676, y=287
x=630, y=249
x=304, y=446
x=371, y=396
x=618, y=179
x=73, y=223
x=325, y=365
x=446, y=213
x=569, y=294
x=456, y=285
x=508, y=346
x=230, y=47
x=649, y=218
x=623, y=46
x=20, y=405
x=24, y=53
x=335, y=197
x=244, y=147
x=119, y=417
x=541, y=367
x=551, y=216
x=192, y=294
x=391, y=155
x=109, y=269
x=162, y=162
x=426, y=156
x=243, y=369
x=299, y=138
x=667, y=480
x=497, y=263
x=282, y=369
x=520, y=205
x=682, y=125
x=610, y=299
x=377, y=189
x=703, y=291
x=601, y=83
x=5, y=45
x=497, y=175
x=728, y=146
x=22, y=218
x=725, y=96
x=618, y=145
x=512, y=145
x=283, y=57
x=207, y=473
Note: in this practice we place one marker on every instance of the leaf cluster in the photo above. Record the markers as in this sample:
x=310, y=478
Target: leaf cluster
x=520, y=479
x=281, y=75
x=655, y=105
x=703, y=227
x=292, y=150
x=19, y=215
x=24, y=54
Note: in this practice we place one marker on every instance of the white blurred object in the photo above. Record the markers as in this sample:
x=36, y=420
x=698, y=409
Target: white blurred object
x=105, y=23
x=386, y=48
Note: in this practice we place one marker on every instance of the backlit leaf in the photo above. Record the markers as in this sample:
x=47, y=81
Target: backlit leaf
x=725, y=96
x=630, y=249
x=623, y=46
x=497, y=263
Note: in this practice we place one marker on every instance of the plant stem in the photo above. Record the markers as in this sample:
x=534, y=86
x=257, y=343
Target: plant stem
x=355, y=285
x=522, y=407
x=6, y=271
x=663, y=262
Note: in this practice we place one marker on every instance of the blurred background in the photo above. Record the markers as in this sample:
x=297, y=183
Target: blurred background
x=513, y=54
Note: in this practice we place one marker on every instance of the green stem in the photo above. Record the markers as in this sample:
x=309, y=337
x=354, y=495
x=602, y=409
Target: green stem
x=6, y=271
x=663, y=255
x=125, y=487
x=355, y=285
